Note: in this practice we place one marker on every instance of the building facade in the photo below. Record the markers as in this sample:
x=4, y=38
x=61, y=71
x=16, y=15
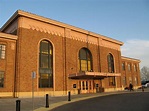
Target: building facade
x=49, y=57
x=130, y=70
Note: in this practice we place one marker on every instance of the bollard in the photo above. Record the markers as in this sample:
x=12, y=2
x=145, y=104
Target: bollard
x=18, y=105
x=69, y=96
x=47, y=101
x=142, y=89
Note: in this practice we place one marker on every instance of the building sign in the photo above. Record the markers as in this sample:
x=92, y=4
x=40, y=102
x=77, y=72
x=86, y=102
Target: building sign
x=33, y=74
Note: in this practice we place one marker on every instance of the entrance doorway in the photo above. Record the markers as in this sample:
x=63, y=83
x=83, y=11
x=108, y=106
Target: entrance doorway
x=86, y=86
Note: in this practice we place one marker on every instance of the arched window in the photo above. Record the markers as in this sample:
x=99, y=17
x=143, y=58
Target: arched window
x=45, y=64
x=110, y=60
x=85, y=60
x=110, y=63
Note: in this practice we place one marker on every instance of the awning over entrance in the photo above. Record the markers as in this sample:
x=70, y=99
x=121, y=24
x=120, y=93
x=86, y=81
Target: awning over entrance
x=93, y=75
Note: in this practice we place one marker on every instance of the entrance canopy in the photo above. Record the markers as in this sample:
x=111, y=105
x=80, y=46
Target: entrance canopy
x=93, y=75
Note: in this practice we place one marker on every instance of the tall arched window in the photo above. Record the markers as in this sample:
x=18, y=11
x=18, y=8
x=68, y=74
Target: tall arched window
x=110, y=63
x=85, y=60
x=45, y=64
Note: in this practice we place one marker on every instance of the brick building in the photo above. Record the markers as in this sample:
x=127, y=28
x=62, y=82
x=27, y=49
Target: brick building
x=63, y=58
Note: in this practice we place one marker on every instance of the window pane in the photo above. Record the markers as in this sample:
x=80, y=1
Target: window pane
x=51, y=51
x=46, y=80
x=3, y=55
x=79, y=64
x=83, y=65
x=88, y=56
x=2, y=51
x=3, y=47
x=44, y=61
x=89, y=65
x=44, y=76
x=83, y=54
x=44, y=47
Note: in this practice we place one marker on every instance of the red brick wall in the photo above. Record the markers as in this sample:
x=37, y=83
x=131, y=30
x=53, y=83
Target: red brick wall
x=63, y=47
x=28, y=58
x=8, y=65
x=104, y=64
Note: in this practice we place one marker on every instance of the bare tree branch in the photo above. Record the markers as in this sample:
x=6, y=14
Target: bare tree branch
x=145, y=73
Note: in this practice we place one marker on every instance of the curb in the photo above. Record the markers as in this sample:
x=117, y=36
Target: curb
x=54, y=105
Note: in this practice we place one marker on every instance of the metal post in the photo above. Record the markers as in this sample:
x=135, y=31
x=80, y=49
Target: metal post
x=69, y=96
x=18, y=105
x=142, y=89
x=33, y=74
x=47, y=101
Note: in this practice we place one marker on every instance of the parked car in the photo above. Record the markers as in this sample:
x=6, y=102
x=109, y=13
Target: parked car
x=145, y=84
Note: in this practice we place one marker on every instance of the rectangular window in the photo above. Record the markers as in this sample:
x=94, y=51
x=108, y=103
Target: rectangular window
x=124, y=81
x=1, y=79
x=123, y=66
x=130, y=79
x=83, y=65
x=129, y=67
x=135, y=80
x=2, y=51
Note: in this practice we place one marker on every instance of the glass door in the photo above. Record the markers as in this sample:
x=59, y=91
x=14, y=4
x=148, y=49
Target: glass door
x=86, y=86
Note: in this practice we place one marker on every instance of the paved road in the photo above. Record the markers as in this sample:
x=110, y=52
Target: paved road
x=118, y=102
x=9, y=104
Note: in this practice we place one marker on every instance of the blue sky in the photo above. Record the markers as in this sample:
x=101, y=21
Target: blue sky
x=124, y=20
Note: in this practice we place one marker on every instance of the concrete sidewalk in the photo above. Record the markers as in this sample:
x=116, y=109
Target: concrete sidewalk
x=27, y=104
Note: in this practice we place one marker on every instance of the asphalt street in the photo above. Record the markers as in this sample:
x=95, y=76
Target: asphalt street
x=117, y=102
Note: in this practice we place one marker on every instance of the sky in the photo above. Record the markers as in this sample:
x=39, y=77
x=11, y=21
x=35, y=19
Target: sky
x=123, y=20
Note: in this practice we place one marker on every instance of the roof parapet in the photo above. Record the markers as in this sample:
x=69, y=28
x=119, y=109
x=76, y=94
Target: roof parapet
x=57, y=23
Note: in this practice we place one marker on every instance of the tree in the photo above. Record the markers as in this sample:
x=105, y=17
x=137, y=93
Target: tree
x=145, y=73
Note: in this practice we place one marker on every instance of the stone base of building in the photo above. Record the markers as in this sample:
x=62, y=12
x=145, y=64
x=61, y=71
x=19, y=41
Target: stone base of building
x=57, y=93
x=113, y=89
x=40, y=94
x=6, y=94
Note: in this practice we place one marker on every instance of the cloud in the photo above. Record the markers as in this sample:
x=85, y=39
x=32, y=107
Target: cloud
x=138, y=49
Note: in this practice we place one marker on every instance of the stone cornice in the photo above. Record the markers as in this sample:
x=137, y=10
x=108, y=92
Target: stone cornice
x=130, y=59
x=8, y=36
